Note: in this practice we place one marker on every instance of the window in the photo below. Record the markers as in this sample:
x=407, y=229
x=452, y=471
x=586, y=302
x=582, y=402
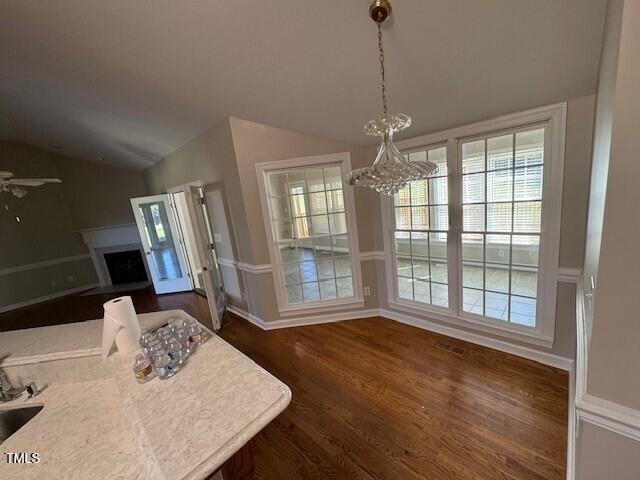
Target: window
x=314, y=239
x=501, y=210
x=157, y=223
x=421, y=229
x=496, y=265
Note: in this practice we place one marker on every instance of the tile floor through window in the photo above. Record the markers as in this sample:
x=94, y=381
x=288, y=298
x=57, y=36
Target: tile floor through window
x=523, y=308
x=316, y=275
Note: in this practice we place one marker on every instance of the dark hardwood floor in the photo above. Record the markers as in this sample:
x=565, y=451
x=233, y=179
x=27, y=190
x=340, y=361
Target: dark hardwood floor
x=79, y=308
x=375, y=399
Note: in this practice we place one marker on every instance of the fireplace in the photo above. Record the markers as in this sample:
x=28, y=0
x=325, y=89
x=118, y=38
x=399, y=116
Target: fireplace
x=107, y=240
x=125, y=267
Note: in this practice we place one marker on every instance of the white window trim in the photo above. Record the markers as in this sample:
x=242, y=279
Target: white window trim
x=262, y=171
x=554, y=116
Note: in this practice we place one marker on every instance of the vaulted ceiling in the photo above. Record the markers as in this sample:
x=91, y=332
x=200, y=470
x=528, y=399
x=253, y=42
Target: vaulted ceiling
x=130, y=81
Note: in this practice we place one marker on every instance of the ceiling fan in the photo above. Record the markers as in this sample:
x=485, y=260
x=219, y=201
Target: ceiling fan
x=17, y=185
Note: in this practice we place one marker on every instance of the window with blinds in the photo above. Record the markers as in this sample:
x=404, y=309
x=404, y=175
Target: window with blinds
x=478, y=243
x=421, y=213
x=498, y=181
x=502, y=179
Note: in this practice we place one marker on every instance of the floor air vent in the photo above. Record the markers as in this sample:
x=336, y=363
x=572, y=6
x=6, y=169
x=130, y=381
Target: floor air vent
x=459, y=351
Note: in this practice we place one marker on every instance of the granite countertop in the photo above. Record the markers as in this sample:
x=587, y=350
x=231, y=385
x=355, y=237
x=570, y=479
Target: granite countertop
x=185, y=427
x=69, y=340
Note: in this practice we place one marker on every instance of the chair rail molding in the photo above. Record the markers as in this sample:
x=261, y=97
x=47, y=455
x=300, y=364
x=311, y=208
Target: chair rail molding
x=609, y=415
x=372, y=255
x=256, y=269
x=225, y=262
x=44, y=263
x=569, y=275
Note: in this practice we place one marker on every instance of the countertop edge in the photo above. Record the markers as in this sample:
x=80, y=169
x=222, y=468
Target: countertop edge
x=49, y=357
x=212, y=463
x=281, y=396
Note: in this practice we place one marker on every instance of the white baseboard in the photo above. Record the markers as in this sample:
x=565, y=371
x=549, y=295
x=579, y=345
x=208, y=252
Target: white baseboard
x=304, y=321
x=318, y=319
x=520, y=351
x=501, y=345
x=45, y=298
x=257, y=321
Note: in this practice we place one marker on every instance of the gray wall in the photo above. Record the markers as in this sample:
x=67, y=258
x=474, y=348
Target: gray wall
x=257, y=143
x=203, y=159
x=605, y=455
x=601, y=147
x=210, y=158
x=575, y=186
x=224, y=159
x=45, y=231
x=610, y=260
x=97, y=194
x=91, y=195
x=614, y=355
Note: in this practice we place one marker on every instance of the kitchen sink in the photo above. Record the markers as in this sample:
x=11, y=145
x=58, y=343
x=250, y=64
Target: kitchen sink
x=13, y=420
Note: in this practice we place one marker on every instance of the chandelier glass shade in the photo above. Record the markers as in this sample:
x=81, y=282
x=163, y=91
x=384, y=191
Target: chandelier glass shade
x=390, y=171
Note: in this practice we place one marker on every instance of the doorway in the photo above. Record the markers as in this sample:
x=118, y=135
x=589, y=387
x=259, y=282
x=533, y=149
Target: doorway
x=175, y=230
x=188, y=241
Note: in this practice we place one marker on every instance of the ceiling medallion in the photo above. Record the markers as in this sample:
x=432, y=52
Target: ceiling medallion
x=391, y=171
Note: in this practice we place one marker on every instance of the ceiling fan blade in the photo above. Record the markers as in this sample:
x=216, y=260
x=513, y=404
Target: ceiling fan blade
x=4, y=175
x=33, y=182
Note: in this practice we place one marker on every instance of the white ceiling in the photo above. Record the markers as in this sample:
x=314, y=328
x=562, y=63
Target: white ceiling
x=130, y=81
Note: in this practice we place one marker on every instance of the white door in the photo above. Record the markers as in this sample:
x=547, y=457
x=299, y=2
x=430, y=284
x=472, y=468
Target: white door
x=160, y=239
x=206, y=253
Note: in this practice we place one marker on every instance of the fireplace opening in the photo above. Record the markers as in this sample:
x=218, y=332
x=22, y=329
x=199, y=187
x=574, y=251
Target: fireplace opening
x=126, y=267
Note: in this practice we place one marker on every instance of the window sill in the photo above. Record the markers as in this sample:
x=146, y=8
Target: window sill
x=322, y=307
x=532, y=337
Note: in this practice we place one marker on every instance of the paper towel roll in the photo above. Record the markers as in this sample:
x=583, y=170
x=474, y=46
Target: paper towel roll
x=120, y=324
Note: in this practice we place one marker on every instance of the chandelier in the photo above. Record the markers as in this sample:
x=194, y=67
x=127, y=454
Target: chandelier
x=391, y=171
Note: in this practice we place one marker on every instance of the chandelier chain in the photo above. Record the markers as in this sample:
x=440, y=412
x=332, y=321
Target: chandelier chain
x=390, y=171
x=381, y=51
